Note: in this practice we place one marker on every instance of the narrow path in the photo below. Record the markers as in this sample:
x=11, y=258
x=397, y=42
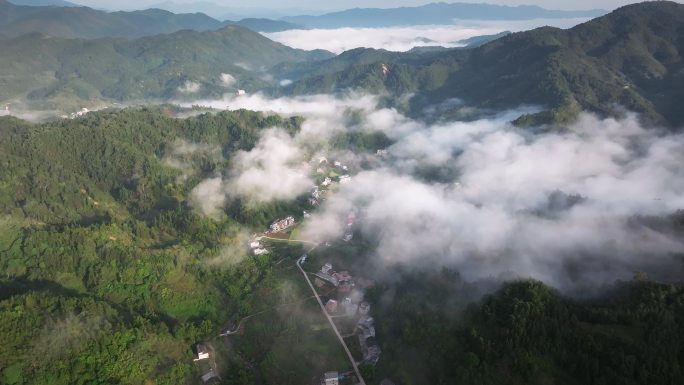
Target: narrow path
x=287, y=240
x=332, y=324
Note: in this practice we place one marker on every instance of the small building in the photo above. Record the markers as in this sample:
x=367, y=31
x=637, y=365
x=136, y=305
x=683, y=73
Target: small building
x=331, y=306
x=327, y=181
x=351, y=309
x=364, y=308
x=327, y=268
x=337, y=164
x=202, y=352
x=260, y=251
x=330, y=378
x=371, y=351
x=348, y=237
x=342, y=276
x=345, y=287
x=344, y=179
x=240, y=93
x=210, y=377
x=255, y=245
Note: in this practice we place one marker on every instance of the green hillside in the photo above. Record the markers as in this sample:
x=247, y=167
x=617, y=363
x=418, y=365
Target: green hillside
x=109, y=277
x=56, y=72
x=629, y=58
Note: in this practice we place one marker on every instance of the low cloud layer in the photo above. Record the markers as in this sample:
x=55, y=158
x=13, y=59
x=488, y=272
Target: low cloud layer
x=405, y=38
x=572, y=206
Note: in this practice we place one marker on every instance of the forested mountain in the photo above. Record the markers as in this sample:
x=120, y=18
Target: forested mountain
x=629, y=58
x=433, y=13
x=527, y=333
x=88, y=23
x=186, y=63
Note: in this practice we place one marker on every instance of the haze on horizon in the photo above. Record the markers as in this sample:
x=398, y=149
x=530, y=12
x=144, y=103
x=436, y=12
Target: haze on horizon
x=294, y=7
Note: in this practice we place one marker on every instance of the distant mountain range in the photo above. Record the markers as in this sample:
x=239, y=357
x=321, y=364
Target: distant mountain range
x=87, y=23
x=44, y=3
x=434, y=13
x=63, y=19
x=265, y=25
x=61, y=72
x=630, y=58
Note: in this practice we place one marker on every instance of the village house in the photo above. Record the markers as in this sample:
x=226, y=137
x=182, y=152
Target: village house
x=371, y=351
x=260, y=251
x=240, y=93
x=364, y=308
x=331, y=306
x=282, y=224
x=330, y=378
x=211, y=377
x=344, y=179
x=342, y=276
x=325, y=276
x=327, y=181
x=202, y=352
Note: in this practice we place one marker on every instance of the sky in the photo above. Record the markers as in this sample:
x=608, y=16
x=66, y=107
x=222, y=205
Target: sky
x=307, y=6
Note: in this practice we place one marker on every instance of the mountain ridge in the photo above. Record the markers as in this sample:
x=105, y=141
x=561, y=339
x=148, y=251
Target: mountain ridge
x=432, y=13
x=629, y=58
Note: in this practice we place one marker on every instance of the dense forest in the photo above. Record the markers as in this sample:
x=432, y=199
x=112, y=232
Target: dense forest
x=108, y=275
x=527, y=333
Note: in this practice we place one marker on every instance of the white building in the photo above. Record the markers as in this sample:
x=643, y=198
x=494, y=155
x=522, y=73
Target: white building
x=330, y=378
x=202, y=352
x=240, y=93
x=326, y=269
x=260, y=251
x=282, y=224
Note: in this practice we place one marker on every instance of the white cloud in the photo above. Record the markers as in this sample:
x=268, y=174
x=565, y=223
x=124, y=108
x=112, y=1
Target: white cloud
x=227, y=80
x=190, y=87
x=271, y=170
x=404, y=38
x=484, y=197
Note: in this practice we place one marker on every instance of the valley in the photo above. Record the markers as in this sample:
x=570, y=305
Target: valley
x=407, y=194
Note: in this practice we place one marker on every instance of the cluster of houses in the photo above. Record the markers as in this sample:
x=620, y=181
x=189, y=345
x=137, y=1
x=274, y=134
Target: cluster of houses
x=257, y=247
x=349, y=309
x=205, y=364
x=82, y=112
x=365, y=331
x=335, y=173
